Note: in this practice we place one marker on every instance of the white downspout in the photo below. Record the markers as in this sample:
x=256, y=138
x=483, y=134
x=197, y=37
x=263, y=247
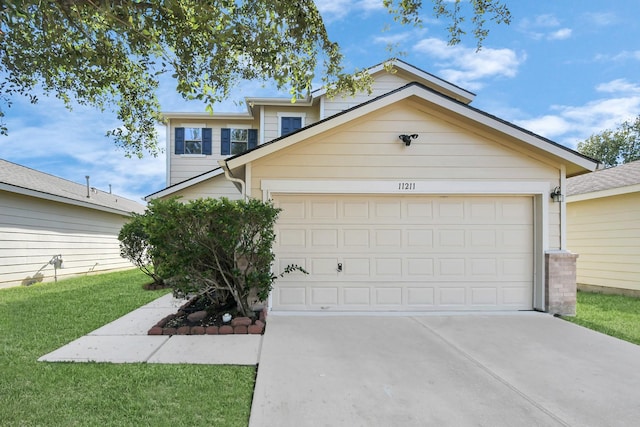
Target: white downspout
x=227, y=174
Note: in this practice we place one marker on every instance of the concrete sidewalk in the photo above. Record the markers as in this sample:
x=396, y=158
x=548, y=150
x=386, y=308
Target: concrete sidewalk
x=521, y=369
x=125, y=340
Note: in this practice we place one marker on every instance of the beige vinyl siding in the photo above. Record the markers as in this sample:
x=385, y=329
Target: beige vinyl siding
x=369, y=148
x=605, y=232
x=215, y=188
x=33, y=230
x=184, y=167
x=383, y=83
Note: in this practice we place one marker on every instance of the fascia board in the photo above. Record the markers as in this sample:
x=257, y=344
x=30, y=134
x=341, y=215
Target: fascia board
x=604, y=193
x=207, y=116
x=317, y=129
x=508, y=130
x=184, y=184
x=437, y=83
x=442, y=101
x=53, y=198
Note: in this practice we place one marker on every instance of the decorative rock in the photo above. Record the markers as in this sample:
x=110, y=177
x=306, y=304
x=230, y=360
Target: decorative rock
x=241, y=321
x=183, y=330
x=225, y=330
x=156, y=330
x=256, y=329
x=197, y=330
x=197, y=316
x=169, y=331
x=240, y=329
x=211, y=330
x=263, y=314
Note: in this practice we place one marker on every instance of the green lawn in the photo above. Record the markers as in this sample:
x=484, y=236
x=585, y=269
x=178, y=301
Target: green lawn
x=614, y=315
x=39, y=319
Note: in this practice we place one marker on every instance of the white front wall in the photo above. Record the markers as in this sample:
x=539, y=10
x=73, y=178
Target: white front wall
x=405, y=253
x=32, y=231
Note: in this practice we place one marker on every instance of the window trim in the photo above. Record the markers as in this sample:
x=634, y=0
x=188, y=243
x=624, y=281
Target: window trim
x=282, y=114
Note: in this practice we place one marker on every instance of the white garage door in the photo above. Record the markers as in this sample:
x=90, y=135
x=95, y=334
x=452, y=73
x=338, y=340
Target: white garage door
x=407, y=253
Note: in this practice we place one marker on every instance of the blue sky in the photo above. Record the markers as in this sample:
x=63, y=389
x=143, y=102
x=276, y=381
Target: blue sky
x=563, y=69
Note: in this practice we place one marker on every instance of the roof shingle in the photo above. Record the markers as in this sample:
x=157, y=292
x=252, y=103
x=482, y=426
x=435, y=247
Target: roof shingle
x=605, y=179
x=26, y=178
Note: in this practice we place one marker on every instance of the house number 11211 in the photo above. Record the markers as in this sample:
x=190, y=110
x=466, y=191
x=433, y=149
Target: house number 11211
x=406, y=186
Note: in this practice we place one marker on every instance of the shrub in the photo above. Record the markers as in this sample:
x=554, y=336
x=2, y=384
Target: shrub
x=215, y=247
x=134, y=245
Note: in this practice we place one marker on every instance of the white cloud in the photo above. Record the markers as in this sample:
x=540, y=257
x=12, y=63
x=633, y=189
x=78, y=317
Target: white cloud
x=71, y=144
x=544, y=27
x=561, y=34
x=572, y=124
x=601, y=19
x=338, y=9
x=625, y=55
x=619, y=86
x=467, y=67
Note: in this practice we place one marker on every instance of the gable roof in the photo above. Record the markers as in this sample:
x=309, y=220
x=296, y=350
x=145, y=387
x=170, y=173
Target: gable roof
x=575, y=162
x=185, y=184
x=19, y=179
x=417, y=75
x=606, y=182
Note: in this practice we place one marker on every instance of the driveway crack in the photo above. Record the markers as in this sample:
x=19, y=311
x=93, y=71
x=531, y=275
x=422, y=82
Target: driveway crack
x=492, y=373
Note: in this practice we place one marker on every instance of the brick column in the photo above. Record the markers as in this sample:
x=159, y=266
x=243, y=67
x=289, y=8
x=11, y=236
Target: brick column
x=560, y=282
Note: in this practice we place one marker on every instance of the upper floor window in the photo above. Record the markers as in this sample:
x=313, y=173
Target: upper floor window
x=237, y=140
x=192, y=140
x=290, y=122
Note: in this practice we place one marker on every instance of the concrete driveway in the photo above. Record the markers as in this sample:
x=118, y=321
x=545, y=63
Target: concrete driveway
x=522, y=369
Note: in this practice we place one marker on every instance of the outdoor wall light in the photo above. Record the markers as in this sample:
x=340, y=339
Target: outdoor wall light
x=407, y=138
x=556, y=195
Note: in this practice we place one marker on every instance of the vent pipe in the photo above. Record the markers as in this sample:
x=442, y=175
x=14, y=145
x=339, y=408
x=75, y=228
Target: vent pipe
x=88, y=187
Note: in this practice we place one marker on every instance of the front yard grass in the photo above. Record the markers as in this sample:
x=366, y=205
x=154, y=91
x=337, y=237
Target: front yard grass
x=615, y=315
x=38, y=319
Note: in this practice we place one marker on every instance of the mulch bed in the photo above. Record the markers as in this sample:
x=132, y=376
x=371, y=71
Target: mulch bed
x=196, y=318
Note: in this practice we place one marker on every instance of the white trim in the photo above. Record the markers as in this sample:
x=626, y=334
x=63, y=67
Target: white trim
x=604, y=193
x=261, y=135
x=169, y=152
x=539, y=191
x=563, y=209
x=281, y=114
x=427, y=79
x=530, y=140
x=185, y=184
x=269, y=186
x=60, y=199
x=192, y=125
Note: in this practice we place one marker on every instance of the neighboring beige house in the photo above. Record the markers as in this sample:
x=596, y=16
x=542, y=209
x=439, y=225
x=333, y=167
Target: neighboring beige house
x=408, y=199
x=52, y=228
x=603, y=213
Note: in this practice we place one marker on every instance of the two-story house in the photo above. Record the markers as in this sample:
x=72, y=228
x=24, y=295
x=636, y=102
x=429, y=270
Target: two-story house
x=405, y=199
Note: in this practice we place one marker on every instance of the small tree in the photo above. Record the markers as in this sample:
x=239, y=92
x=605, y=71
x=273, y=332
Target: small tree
x=134, y=245
x=217, y=248
x=614, y=147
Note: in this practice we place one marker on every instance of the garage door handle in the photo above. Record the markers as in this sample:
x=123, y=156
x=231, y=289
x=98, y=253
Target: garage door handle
x=339, y=267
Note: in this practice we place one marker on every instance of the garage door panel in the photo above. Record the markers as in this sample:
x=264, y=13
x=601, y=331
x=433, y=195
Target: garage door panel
x=405, y=253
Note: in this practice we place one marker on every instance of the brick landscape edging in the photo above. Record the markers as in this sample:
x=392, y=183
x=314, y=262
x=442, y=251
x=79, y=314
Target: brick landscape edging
x=237, y=326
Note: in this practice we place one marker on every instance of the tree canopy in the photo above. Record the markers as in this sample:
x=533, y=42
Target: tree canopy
x=111, y=54
x=614, y=146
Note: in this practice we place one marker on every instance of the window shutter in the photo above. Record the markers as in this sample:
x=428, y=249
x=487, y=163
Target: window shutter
x=253, y=139
x=206, y=141
x=225, y=141
x=179, y=140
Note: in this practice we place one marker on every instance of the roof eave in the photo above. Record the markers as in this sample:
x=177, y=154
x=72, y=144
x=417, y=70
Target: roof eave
x=54, y=198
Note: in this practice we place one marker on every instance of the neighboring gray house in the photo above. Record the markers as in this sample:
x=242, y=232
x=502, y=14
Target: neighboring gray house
x=52, y=228
x=603, y=226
